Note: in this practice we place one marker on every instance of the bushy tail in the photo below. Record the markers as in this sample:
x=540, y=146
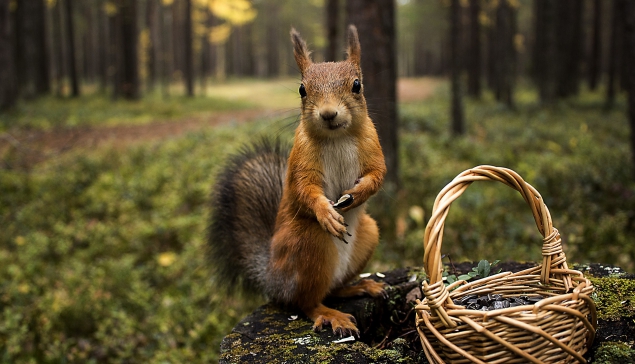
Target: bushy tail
x=245, y=201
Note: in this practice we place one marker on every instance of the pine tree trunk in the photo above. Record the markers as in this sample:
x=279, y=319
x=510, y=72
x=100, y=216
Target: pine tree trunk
x=70, y=36
x=458, y=122
x=189, y=57
x=178, y=46
x=114, y=52
x=629, y=74
x=59, y=48
x=129, y=42
x=31, y=48
x=165, y=14
x=248, y=50
x=546, y=65
x=375, y=22
x=595, y=57
x=8, y=94
x=569, y=47
x=474, y=59
x=103, y=47
x=614, y=51
x=332, y=33
x=153, y=30
x=272, y=26
x=505, y=66
x=422, y=56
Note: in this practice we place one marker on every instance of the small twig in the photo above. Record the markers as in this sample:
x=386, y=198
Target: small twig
x=407, y=333
x=382, y=344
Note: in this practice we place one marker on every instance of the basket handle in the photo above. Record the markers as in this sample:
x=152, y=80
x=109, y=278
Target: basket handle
x=553, y=255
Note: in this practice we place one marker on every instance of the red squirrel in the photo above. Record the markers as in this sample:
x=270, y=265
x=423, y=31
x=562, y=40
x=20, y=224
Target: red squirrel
x=276, y=227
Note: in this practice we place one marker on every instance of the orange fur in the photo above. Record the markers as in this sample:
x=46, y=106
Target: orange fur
x=334, y=128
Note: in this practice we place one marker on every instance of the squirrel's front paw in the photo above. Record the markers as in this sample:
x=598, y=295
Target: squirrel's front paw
x=332, y=221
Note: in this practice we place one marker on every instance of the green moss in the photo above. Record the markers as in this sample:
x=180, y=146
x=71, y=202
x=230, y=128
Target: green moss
x=298, y=324
x=614, y=353
x=614, y=297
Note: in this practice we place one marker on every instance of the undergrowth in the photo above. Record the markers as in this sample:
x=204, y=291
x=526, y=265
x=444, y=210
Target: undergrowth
x=574, y=153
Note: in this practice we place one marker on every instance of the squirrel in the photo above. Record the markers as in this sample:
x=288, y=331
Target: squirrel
x=275, y=226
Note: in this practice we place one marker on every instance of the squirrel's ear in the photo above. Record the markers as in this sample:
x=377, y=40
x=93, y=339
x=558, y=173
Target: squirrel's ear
x=354, y=49
x=300, y=51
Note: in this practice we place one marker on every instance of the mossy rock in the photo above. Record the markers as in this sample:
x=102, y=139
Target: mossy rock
x=274, y=334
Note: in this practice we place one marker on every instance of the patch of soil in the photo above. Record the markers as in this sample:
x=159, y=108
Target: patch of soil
x=416, y=89
x=22, y=149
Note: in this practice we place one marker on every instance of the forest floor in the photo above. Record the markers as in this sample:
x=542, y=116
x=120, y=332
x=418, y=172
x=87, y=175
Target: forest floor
x=29, y=146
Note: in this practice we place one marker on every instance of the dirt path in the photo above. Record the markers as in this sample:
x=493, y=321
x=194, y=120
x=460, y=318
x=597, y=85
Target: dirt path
x=23, y=148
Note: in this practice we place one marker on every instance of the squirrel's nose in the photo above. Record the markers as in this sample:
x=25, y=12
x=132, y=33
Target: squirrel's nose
x=328, y=115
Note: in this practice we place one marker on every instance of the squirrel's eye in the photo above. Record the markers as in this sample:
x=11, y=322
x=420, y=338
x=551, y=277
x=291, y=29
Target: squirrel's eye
x=357, y=86
x=302, y=91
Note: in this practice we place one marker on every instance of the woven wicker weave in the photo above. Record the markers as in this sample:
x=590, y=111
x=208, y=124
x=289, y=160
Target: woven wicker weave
x=557, y=329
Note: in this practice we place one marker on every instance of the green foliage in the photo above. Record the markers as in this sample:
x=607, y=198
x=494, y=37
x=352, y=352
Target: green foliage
x=102, y=255
x=574, y=153
x=483, y=269
x=96, y=109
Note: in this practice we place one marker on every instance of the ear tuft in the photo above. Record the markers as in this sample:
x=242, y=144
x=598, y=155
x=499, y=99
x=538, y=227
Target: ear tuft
x=300, y=51
x=354, y=49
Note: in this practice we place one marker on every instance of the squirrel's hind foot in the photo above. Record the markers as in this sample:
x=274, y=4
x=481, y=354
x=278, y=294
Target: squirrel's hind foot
x=343, y=324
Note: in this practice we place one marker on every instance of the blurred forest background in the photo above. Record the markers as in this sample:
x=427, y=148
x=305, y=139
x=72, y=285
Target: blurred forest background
x=115, y=116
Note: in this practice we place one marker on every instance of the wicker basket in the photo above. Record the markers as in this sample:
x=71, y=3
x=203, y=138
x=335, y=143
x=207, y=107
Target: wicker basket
x=557, y=329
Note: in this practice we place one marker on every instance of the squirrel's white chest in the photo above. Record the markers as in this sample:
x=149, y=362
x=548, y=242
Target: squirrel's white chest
x=341, y=169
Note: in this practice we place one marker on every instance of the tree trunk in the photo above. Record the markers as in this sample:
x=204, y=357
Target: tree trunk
x=546, y=66
x=167, y=64
x=375, y=22
x=422, y=55
x=629, y=76
x=491, y=63
x=8, y=94
x=458, y=122
x=569, y=47
x=188, y=68
x=208, y=65
x=332, y=34
x=474, y=59
x=505, y=53
x=129, y=41
x=240, y=56
x=272, y=27
x=59, y=48
x=31, y=48
x=152, y=19
x=103, y=47
x=617, y=19
x=178, y=46
x=114, y=54
x=70, y=36
x=595, y=58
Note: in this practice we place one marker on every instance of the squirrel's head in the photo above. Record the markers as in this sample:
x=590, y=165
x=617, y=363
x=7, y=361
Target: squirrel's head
x=332, y=92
